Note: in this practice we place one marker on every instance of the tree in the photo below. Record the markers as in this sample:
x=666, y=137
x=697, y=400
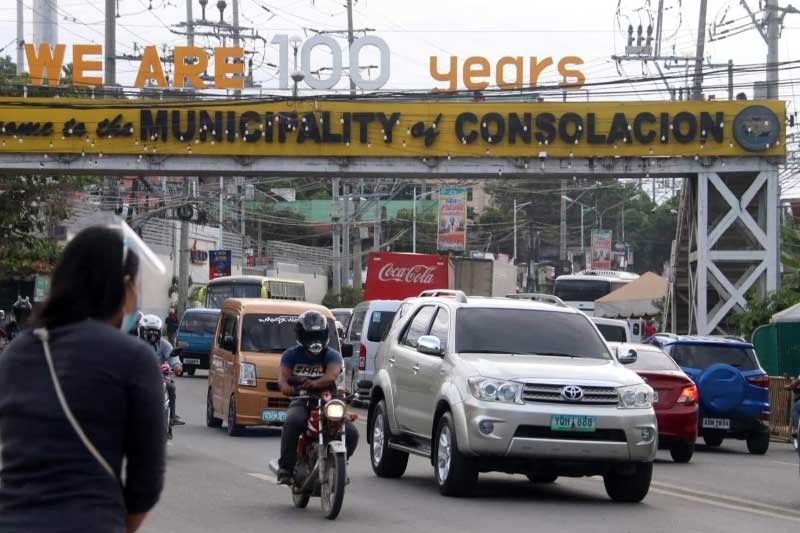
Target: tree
x=30, y=207
x=759, y=311
x=348, y=297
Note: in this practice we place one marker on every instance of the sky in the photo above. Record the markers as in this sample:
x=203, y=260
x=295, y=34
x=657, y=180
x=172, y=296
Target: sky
x=415, y=30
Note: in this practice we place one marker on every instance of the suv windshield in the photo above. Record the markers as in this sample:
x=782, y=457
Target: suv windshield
x=200, y=323
x=704, y=355
x=527, y=332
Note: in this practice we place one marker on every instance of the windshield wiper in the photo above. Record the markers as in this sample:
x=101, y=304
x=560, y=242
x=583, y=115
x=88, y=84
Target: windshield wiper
x=557, y=354
x=500, y=352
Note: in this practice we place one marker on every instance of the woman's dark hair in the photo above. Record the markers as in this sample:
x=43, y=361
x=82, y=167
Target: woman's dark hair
x=88, y=281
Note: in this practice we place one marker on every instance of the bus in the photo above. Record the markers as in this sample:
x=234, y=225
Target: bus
x=213, y=295
x=582, y=289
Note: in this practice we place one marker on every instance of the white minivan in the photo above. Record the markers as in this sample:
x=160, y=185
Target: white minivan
x=368, y=326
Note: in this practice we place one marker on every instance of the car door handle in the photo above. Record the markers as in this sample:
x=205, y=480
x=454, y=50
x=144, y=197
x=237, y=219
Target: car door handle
x=391, y=361
x=415, y=368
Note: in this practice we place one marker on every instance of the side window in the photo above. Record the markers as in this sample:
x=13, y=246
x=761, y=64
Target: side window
x=441, y=326
x=224, y=320
x=418, y=326
x=357, y=324
x=230, y=328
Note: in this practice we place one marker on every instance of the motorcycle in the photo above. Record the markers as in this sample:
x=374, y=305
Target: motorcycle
x=166, y=373
x=321, y=469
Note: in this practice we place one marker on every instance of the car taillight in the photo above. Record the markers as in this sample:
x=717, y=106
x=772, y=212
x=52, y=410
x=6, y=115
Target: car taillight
x=688, y=395
x=362, y=357
x=759, y=381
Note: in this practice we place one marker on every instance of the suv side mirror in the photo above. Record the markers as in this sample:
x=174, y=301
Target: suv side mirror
x=429, y=345
x=347, y=350
x=229, y=344
x=626, y=355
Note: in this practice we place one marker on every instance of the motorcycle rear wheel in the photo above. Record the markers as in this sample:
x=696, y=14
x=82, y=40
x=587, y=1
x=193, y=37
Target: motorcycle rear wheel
x=333, y=489
x=300, y=499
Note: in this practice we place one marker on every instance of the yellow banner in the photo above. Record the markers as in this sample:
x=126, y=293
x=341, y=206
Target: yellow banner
x=393, y=129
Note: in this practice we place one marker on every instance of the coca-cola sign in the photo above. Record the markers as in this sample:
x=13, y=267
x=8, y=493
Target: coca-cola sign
x=394, y=276
x=413, y=274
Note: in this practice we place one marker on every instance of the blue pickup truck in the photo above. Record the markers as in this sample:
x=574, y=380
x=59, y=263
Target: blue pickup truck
x=734, y=389
x=194, y=338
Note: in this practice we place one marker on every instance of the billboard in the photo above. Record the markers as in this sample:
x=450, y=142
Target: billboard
x=219, y=263
x=601, y=249
x=395, y=276
x=452, y=220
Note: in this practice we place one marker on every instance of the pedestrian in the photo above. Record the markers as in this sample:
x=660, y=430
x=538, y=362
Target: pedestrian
x=79, y=398
x=649, y=327
x=172, y=324
x=794, y=386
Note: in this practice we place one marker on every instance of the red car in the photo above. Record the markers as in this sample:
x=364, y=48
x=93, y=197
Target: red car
x=676, y=402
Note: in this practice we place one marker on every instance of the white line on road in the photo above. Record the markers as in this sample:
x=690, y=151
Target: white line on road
x=782, y=462
x=733, y=507
x=724, y=498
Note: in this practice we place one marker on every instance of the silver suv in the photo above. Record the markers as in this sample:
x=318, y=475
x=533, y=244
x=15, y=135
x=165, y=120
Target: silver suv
x=495, y=384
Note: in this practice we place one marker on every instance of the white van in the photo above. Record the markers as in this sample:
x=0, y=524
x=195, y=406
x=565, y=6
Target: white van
x=368, y=326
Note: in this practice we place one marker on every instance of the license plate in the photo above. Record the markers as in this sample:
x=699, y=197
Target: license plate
x=271, y=416
x=586, y=424
x=716, y=423
x=188, y=361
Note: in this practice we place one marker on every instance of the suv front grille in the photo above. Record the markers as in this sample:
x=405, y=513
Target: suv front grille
x=548, y=393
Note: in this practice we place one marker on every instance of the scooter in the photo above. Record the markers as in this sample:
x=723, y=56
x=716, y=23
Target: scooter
x=321, y=469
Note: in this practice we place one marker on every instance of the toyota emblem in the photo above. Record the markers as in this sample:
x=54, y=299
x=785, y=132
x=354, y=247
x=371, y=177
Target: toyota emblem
x=572, y=393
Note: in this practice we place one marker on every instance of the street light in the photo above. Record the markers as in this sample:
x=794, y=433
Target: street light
x=517, y=208
x=583, y=207
x=414, y=217
x=295, y=41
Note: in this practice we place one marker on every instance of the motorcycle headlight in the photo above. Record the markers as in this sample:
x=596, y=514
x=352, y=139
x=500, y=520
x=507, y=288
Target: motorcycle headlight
x=635, y=397
x=247, y=374
x=495, y=390
x=334, y=410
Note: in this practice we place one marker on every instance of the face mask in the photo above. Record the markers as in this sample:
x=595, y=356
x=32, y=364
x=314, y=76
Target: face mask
x=129, y=321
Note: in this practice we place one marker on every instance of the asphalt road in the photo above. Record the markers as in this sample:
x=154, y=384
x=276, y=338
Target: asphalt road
x=221, y=483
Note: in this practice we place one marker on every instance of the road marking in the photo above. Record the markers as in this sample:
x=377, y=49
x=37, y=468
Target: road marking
x=724, y=498
x=263, y=477
x=717, y=503
x=782, y=462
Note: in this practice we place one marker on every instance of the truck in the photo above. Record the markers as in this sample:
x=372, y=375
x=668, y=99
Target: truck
x=396, y=276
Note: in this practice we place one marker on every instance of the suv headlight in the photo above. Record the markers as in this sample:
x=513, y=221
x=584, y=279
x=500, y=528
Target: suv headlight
x=247, y=374
x=635, y=397
x=495, y=390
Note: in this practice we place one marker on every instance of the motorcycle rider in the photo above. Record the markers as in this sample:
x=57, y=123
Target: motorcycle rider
x=319, y=365
x=150, y=330
x=22, y=309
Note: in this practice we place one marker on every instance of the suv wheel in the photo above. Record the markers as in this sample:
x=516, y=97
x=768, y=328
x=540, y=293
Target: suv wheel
x=455, y=474
x=631, y=488
x=234, y=429
x=758, y=443
x=713, y=439
x=682, y=452
x=386, y=462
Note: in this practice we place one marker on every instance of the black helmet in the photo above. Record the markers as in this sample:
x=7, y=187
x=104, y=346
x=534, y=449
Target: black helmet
x=22, y=310
x=312, y=331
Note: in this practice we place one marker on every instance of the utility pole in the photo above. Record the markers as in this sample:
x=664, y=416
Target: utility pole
x=221, y=215
x=376, y=230
x=237, y=93
x=241, y=206
x=350, y=39
x=562, y=254
x=20, y=38
x=345, y=264
x=414, y=221
x=357, y=241
x=514, y=256
x=183, y=258
x=773, y=35
x=110, y=48
x=659, y=26
x=697, y=89
x=189, y=24
x=336, y=267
